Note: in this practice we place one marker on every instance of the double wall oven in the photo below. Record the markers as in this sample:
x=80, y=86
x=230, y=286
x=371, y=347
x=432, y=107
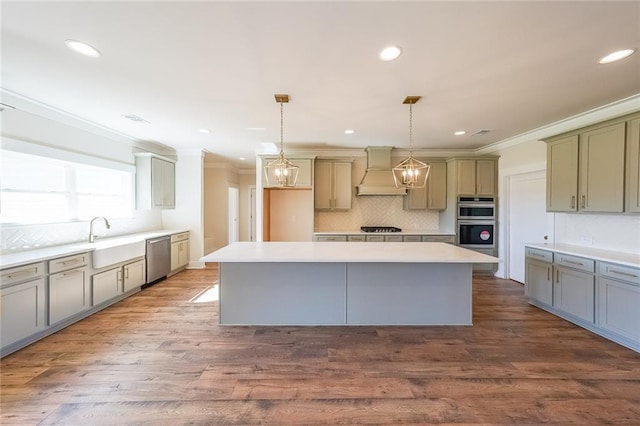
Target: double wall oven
x=476, y=222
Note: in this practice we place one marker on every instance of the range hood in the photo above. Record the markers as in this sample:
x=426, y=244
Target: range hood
x=378, y=179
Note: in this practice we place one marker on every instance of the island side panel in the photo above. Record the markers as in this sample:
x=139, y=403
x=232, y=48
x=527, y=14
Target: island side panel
x=282, y=293
x=409, y=294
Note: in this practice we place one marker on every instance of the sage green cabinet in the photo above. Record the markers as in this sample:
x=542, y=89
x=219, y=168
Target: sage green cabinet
x=155, y=182
x=562, y=174
x=539, y=275
x=586, y=169
x=434, y=195
x=619, y=300
x=332, y=185
x=574, y=287
x=22, y=303
x=476, y=176
x=633, y=166
x=602, y=153
x=106, y=285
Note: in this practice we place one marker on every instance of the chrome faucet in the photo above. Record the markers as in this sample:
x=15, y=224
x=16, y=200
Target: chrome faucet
x=92, y=236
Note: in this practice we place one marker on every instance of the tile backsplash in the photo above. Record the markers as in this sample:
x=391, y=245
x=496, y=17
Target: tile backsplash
x=616, y=232
x=15, y=238
x=376, y=211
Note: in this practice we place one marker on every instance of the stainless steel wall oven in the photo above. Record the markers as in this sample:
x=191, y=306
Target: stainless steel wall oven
x=476, y=208
x=476, y=233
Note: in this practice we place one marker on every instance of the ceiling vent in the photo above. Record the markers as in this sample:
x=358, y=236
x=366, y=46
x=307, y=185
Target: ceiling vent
x=481, y=132
x=135, y=118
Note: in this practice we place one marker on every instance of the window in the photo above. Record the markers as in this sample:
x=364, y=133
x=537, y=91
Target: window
x=35, y=189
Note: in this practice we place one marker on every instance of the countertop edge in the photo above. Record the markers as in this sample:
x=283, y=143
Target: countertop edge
x=26, y=257
x=602, y=255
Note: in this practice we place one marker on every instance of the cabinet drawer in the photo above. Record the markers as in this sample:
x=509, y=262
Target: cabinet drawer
x=575, y=262
x=451, y=239
x=360, y=238
x=412, y=238
x=179, y=237
x=393, y=238
x=21, y=273
x=331, y=238
x=619, y=272
x=375, y=238
x=541, y=255
x=69, y=262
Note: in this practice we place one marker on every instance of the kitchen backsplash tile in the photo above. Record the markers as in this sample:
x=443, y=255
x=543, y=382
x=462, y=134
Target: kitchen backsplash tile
x=609, y=232
x=376, y=211
x=15, y=238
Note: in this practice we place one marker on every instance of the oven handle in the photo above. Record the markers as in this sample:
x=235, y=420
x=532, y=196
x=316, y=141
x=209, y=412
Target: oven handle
x=476, y=222
x=482, y=205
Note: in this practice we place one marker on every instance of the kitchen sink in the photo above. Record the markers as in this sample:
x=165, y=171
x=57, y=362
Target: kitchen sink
x=116, y=250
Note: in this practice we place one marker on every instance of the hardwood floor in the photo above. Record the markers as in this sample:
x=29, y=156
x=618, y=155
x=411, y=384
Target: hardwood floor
x=157, y=358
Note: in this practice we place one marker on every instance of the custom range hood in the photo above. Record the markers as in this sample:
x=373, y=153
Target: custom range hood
x=378, y=179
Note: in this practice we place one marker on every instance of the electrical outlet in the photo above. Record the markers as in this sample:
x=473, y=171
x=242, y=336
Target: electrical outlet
x=586, y=239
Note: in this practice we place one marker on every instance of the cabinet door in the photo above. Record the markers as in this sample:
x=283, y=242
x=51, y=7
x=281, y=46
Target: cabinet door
x=157, y=182
x=485, y=177
x=21, y=311
x=68, y=294
x=169, y=185
x=175, y=256
x=322, y=190
x=573, y=293
x=466, y=176
x=342, y=186
x=538, y=282
x=633, y=166
x=562, y=175
x=602, y=169
x=106, y=285
x=416, y=199
x=618, y=310
x=183, y=253
x=134, y=275
x=437, y=187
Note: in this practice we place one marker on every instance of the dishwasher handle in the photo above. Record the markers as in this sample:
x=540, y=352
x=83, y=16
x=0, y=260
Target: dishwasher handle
x=158, y=240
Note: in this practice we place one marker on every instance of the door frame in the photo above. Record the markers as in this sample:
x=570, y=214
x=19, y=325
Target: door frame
x=236, y=190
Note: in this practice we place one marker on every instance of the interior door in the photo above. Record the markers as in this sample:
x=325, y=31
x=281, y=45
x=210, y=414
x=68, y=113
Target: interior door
x=234, y=214
x=528, y=220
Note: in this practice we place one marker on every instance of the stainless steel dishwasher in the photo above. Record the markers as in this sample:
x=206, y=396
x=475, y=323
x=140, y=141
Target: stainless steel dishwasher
x=158, y=258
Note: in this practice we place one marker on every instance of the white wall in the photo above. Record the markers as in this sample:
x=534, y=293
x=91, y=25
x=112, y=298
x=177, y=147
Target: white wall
x=34, y=129
x=188, y=213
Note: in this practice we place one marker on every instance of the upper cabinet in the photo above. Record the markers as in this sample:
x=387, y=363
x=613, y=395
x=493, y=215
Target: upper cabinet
x=332, y=189
x=304, y=173
x=633, y=166
x=155, y=182
x=589, y=169
x=434, y=195
x=477, y=176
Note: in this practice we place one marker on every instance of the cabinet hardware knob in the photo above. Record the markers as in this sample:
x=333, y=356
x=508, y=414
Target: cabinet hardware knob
x=573, y=201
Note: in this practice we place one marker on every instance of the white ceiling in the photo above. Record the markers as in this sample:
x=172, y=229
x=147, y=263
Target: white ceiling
x=509, y=67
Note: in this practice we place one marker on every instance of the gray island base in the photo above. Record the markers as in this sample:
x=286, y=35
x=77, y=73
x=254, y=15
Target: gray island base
x=318, y=283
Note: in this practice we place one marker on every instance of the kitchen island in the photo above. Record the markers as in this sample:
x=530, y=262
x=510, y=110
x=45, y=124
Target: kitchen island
x=350, y=283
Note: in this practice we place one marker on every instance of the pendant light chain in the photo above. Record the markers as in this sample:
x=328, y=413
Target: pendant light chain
x=410, y=128
x=281, y=129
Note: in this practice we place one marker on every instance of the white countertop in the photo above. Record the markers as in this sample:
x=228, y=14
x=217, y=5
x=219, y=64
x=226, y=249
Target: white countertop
x=403, y=232
x=346, y=252
x=622, y=258
x=38, y=255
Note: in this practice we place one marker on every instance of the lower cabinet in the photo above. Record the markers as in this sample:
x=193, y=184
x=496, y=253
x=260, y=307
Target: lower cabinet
x=22, y=311
x=179, y=251
x=134, y=275
x=619, y=300
x=68, y=294
x=573, y=293
x=106, y=285
x=538, y=282
x=600, y=296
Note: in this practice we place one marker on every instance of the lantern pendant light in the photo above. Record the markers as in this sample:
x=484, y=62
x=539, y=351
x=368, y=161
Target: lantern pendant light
x=411, y=173
x=281, y=170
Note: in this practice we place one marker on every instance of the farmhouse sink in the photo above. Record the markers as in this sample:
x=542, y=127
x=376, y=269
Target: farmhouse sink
x=116, y=250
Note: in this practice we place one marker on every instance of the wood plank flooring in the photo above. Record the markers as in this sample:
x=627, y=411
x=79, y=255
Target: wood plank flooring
x=157, y=358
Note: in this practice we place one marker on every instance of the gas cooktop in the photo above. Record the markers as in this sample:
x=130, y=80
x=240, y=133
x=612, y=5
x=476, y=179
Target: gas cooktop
x=380, y=229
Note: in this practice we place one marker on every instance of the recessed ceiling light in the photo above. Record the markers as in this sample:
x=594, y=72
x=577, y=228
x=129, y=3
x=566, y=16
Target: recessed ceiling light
x=390, y=53
x=241, y=158
x=616, y=56
x=205, y=131
x=460, y=132
x=83, y=48
x=349, y=131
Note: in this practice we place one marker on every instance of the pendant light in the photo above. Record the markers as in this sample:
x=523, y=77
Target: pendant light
x=411, y=173
x=281, y=170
